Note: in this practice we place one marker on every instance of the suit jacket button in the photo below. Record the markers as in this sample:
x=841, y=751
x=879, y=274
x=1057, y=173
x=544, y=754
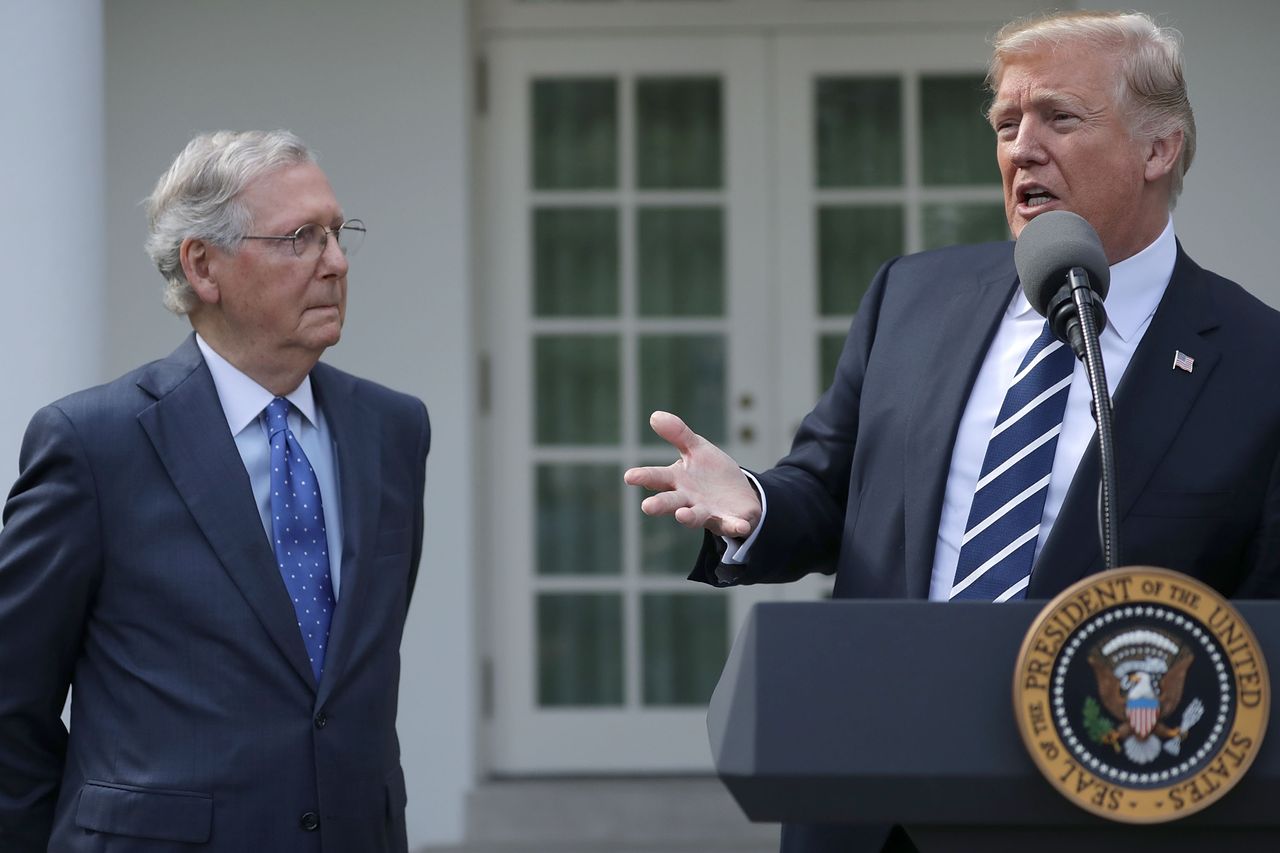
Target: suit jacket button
x=310, y=821
x=322, y=720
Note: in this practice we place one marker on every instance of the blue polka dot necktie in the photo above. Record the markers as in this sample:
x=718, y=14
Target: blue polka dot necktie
x=1004, y=521
x=297, y=525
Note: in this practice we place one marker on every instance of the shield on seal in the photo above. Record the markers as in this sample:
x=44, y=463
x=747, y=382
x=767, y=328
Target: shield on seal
x=1143, y=713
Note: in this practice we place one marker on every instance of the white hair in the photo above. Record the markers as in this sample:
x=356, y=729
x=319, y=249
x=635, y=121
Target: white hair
x=1151, y=88
x=199, y=197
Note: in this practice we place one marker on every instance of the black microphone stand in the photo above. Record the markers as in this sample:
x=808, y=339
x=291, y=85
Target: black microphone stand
x=1089, y=351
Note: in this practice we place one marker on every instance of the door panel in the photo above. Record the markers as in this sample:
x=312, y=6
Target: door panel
x=627, y=269
x=684, y=224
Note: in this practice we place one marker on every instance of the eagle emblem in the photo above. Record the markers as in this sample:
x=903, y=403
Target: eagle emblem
x=1141, y=674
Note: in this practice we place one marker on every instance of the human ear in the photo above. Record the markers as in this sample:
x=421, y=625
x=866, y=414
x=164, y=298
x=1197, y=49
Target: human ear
x=1162, y=155
x=196, y=264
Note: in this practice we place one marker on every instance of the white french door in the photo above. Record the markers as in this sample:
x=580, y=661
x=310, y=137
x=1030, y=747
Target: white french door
x=683, y=223
x=629, y=269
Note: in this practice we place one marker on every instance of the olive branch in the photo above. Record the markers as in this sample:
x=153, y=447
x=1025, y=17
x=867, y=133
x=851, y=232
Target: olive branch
x=1096, y=724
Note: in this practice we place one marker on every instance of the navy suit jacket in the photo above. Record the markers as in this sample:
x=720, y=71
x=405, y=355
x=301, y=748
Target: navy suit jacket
x=134, y=567
x=1197, y=454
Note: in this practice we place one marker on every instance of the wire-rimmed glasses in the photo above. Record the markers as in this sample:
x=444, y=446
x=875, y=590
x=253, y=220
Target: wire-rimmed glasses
x=312, y=239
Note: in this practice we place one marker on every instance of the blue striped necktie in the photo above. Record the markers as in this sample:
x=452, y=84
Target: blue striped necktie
x=297, y=524
x=1008, y=502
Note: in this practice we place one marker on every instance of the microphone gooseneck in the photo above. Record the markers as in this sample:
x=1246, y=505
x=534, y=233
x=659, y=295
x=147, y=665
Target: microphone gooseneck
x=1065, y=276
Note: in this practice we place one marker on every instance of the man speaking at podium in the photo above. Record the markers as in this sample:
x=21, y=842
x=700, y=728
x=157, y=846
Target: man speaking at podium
x=216, y=551
x=953, y=456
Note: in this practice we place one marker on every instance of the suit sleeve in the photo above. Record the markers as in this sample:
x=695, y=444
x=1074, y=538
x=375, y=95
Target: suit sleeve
x=49, y=562
x=420, y=480
x=808, y=490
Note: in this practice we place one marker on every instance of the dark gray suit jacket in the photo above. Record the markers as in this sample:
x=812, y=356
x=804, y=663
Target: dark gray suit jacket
x=1197, y=454
x=134, y=567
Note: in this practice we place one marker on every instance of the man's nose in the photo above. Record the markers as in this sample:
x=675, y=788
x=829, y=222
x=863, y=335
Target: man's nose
x=333, y=261
x=1028, y=146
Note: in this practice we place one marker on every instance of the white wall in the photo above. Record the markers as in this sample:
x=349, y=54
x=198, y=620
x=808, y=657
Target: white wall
x=380, y=89
x=51, y=208
x=1225, y=217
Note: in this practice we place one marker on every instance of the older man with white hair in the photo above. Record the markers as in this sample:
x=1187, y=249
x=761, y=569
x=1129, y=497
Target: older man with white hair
x=953, y=456
x=217, y=550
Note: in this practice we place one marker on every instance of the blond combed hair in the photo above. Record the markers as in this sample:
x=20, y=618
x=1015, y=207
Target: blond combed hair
x=1152, y=90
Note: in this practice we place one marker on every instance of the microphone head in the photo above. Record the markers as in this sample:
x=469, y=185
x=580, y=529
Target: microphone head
x=1047, y=249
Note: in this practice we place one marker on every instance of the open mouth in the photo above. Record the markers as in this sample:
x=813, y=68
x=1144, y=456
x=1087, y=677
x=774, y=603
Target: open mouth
x=1033, y=197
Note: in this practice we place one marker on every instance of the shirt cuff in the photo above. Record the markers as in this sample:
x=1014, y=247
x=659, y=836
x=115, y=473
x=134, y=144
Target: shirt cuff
x=735, y=550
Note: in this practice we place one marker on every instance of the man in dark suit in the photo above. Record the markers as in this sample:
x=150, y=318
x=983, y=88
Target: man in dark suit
x=217, y=551
x=894, y=481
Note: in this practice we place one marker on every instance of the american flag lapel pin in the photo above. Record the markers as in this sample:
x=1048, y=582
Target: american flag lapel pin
x=1182, y=361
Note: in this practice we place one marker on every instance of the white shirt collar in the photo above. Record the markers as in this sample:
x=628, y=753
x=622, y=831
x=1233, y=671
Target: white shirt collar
x=243, y=399
x=1137, y=285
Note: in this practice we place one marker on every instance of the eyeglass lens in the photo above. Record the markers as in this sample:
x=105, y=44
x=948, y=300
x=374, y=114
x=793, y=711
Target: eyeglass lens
x=312, y=239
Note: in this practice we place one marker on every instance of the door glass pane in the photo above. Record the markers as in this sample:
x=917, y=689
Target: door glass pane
x=579, y=513
x=852, y=244
x=829, y=349
x=859, y=136
x=686, y=640
x=684, y=374
x=681, y=261
x=948, y=224
x=578, y=400
x=575, y=261
x=678, y=133
x=957, y=145
x=579, y=649
x=575, y=133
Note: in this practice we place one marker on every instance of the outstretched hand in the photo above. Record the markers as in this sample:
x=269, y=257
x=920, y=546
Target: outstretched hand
x=704, y=488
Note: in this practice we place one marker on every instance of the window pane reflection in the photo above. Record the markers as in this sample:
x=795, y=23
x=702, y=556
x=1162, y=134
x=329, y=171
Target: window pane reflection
x=578, y=389
x=579, y=649
x=957, y=145
x=681, y=259
x=686, y=641
x=852, y=244
x=684, y=374
x=579, y=513
x=678, y=133
x=859, y=131
x=575, y=134
x=575, y=261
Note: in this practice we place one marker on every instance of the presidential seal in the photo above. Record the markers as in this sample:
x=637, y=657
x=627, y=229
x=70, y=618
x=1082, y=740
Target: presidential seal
x=1141, y=695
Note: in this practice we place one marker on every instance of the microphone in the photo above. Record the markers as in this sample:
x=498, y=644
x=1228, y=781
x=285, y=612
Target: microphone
x=1058, y=254
x=1065, y=276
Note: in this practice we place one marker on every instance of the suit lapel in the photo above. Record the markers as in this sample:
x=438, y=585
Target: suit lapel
x=1151, y=403
x=934, y=420
x=356, y=432
x=188, y=429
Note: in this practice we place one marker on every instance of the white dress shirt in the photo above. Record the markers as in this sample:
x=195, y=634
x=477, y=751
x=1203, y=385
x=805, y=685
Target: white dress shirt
x=1137, y=285
x=243, y=402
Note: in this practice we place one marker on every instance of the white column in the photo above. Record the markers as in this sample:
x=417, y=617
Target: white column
x=51, y=209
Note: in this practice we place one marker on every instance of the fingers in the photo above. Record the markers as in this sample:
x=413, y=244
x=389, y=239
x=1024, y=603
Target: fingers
x=673, y=431
x=654, y=478
x=664, y=503
x=734, y=528
x=695, y=517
